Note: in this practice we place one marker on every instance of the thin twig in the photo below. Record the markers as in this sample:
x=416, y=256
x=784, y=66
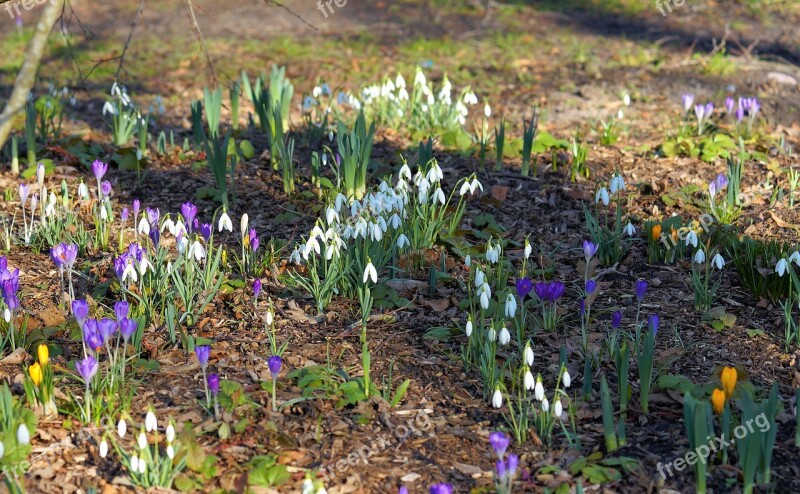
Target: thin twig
x=201, y=40
x=291, y=12
x=128, y=41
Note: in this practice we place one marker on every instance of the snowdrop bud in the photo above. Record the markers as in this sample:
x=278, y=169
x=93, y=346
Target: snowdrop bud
x=142, y=466
x=170, y=452
x=150, y=422
x=529, y=382
x=142, y=440
x=528, y=249
x=491, y=334
x=484, y=296
x=497, y=398
x=545, y=405
x=626, y=100
x=538, y=391
x=103, y=448
x=7, y=315
x=122, y=428
x=505, y=336
x=270, y=316
x=468, y=261
x=487, y=110
x=134, y=463
x=511, y=306
x=170, y=433
x=23, y=434
x=528, y=354
x=780, y=268
x=468, y=329
x=103, y=213
x=566, y=379
x=557, y=408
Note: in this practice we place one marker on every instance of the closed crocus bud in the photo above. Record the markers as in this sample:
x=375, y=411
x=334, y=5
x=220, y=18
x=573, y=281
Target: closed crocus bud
x=23, y=434
x=150, y=422
x=728, y=378
x=505, y=336
x=557, y=408
x=566, y=379
x=35, y=372
x=528, y=352
x=497, y=398
x=243, y=224
x=103, y=448
x=122, y=427
x=718, y=401
x=538, y=390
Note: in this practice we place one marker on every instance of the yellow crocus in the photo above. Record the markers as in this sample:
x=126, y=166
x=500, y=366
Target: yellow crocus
x=718, y=400
x=44, y=354
x=35, y=371
x=655, y=233
x=728, y=378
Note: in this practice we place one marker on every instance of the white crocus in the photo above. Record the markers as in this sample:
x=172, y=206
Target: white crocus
x=505, y=337
x=370, y=273
x=150, y=422
x=497, y=398
x=718, y=262
x=225, y=222
x=243, y=224
x=511, y=306
x=699, y=257
x=780, y=268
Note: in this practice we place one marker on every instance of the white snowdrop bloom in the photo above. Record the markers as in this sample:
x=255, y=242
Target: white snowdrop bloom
x=399, y=81
x=2, y=450
x=122, y=427
x=699, y=257
x=795, y=258
x=629, y=230
x=170, y=452
x=395, y=221
x=691, y=239
x=491, y=335
x=468, y=261
x=331, y=215
x=312, y=244
x=480, y=278
x=382, y=224
x=405, y=173
x=557, y=409
x=23, y=434
x=198, y=251
x=464, y=188
x=780, y=268
x=141, y=440
x=40, y=174
x=438, y=196
x=370, y=273
x=50, y=210
x=83, y=191
x=329, y=252
x=486, y=294
x=225, y=222
x=108, y=108
x=134, y=463
x=528, y=355
x=497, y=398
x=7, y=315
x=144, y=226
x=295, y=256
x=545, y=405
x=468, y=329
x=103, y=212
x=402, y=241
x=461, y=109
x=355, y=208
x=511, y=306
x=142, y=466
x=270, y=316
x=170, y=433
x=419, y=79
x=475, y=185
x=487, y=110
x=316, y=92
x=431, y=100
x=626, y=100
x=435, y=174
x=169, y=267
x=375, y=232
x=528, y=380
x=144, y=265
x=308, y=486
x=504, y=337
x=601, y=196
x=620, y=114
x=566, y=379
x=129, y=273
x=169, y=225
x=150, y=422
x=182, y=242
x=538, y=390
x=718, y=262
x=617, y=184
x=103, y=448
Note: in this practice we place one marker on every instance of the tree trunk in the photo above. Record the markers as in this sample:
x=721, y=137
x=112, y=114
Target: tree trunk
x=27, y=74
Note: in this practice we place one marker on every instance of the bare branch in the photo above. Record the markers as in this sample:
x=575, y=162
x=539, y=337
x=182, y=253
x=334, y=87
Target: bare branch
x=291, y=12
x=130, y=37
x=201, y=40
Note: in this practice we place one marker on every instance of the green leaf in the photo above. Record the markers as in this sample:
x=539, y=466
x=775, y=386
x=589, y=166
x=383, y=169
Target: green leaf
x=248, y=151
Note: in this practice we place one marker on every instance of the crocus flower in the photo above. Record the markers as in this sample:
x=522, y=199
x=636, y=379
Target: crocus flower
x=124, y=214
x=403, y=490
x=721, y=181
x=91, y=335
x=205, y=231
x=549, y=291
x=106, y=327
x=137, y=206
x=121, y=310
x=589, y=249
x=718, y=400
x=256, y=288
x=499, y=443
x=641, y=290
x=652, y=323
x=105, y=188
x=688, y=101
x=728, y=378
x=80, y=310
x=591, y=286
x=274, y=364
x=202, y=352
x=616, y=319
x=729, y=104
x=443, y=488
x=127, y=327
x=99, y=169
x=213, y=384
x=254, y=242
x=24, y=190
x=524, y=287
x=87, y=368
x=188, y=211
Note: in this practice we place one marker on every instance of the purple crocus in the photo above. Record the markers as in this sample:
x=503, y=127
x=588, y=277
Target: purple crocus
x=137, y=206
x=57, y=255
x=591, y=286
x=511, y=465
x=127, y=327
x=105, y=188
x=124, y=214
x=549, y=291
x=499, y=443
x=641, y=290
x=87, y=368
x=24, y=190
x=274, y=364
x=729, y=104
x=688, y=100
x=739, y=114
x=80, y=310
x=652, y=323
x=441, y=489
x=189, y=212
x=616, y=319
x=589, y=249
x=524, y=287
x=106, y=327
x=256, y=288
x=254, y=242
x=121, y=310
x=500, y=469
x=99, y=169
x=582, y=307
x=721, y=181
x=213, y=384
x=91, y=335
x=202, y=352
x=403, y=490
x=205, y=231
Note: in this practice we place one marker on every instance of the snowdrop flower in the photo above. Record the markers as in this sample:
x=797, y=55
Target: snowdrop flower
x=557, y=409
x=528, y=353
x=511, y=306
x=83, y=191
x=626, y=100
x=601, y=196
x=505, y=337
x=419, y=79
x=718, y=262
x=129, y=273
x=402, y=241
x=480, y=278
x=699, y=257
x=487, y=110
x=491, y=335
x=528, y=380
x=122, y=427
x=2, y=450
x=780, y=268
x=40, y=174
x=528, y=249
x=485, y=294
x=23, y=434
x=468, y=329
x=270, y=316
x=197, y=251
x=464, y=188
x=142, y=466
x=225, y=222
x=497, y=398
x=103, y=213
x=135, y=463
x=566, y=379
x=629, y=230
x=170, y=452
x=438, y=196
x=108, y=108
x=103, y=448
x=330, y=215
x=617, y=184
x=545, y=405
x=538, y=390
x=370, y=272
x=691, y=239
x=150, y=422
x=144, y=226
x=170, y=432
x=468, y=261
x=7, y=315
x=142, y=440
